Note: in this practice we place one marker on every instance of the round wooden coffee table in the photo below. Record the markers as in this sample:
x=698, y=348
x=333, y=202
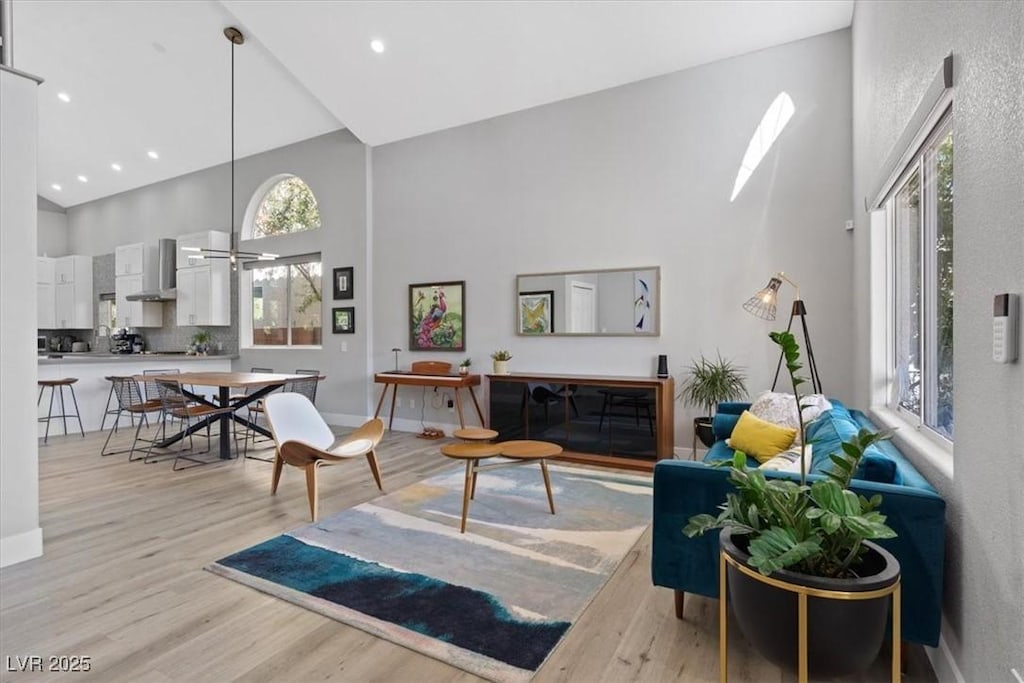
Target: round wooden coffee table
x=518, y=452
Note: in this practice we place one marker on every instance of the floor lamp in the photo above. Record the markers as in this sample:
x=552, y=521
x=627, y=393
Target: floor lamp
x=763, y=305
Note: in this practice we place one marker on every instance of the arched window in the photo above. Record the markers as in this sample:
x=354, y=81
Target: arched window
x=284, y=297
x=288, y=206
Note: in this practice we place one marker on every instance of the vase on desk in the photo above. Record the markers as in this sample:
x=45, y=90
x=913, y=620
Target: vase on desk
x=501, y=367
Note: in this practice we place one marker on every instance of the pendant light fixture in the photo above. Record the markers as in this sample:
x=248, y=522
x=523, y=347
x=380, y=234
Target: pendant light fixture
x=234, y=255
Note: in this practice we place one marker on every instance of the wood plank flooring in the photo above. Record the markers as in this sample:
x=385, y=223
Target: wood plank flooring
x=121, y=581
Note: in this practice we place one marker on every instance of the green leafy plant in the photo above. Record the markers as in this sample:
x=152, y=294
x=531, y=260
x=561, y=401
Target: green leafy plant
x=501, y=355
x=817, y=529
x=709, y=382
x=466, y=363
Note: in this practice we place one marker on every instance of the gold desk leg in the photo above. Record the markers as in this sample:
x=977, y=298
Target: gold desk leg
x=723, y=620
x=802, y=636
x=896, y=632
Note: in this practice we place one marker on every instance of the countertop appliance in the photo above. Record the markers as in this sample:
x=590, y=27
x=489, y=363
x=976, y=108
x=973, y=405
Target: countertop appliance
x=62, y=343
x=125, y=342
x=42, y=343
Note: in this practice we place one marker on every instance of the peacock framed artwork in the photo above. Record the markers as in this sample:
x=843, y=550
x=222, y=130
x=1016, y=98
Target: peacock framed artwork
x=535, y=312
x=437, y=316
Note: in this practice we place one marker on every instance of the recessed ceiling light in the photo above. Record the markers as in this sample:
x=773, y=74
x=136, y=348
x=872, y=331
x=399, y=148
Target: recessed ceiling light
x=377, y=45
x=152, y=154
x=116, y=166
x=56, y=187
x=63, y=96
x=82, y=179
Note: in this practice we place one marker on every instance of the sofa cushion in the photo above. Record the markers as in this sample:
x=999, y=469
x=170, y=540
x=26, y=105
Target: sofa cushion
x=723, y=424
x=779, y=408
x=830, y=430
x=759, y=438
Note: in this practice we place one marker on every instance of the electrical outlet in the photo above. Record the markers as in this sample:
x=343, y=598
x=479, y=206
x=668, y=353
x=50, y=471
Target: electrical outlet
x=451, y=403
x=344, y=346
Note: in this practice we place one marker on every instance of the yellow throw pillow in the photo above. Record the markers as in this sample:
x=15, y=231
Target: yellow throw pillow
x=759, y=439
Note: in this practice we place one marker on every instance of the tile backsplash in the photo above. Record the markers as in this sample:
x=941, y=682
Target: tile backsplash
x=169, y=337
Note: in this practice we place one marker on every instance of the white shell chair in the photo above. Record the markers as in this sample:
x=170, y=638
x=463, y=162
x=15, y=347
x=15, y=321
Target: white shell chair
x=304, y=440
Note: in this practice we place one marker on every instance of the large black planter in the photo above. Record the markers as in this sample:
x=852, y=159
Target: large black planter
x=843, y=635
x=702, y=428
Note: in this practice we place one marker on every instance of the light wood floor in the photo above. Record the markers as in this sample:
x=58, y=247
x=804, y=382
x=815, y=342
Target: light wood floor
x=121, y=581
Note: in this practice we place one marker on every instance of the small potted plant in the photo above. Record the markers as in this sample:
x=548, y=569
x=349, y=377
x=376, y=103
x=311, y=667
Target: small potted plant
x=201, y=341
x=802, y=535
x=501, y=359
x=464, y=366
x=708, y=383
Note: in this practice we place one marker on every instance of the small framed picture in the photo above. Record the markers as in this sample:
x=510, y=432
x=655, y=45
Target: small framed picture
x=343, y=320
x=343, y=282
x=535, y=312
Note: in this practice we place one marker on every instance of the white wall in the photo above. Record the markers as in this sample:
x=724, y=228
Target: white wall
x=897, y=49
x=52, y=233
x=20, y=535
x=639, y=175
x=334, y=167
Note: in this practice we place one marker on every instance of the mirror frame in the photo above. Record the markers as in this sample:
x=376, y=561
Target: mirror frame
x=656, y=332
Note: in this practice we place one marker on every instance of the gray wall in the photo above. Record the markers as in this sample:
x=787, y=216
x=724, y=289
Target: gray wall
x=52, y=233
x=897, y=49
x=334, y=167
x=639, y=175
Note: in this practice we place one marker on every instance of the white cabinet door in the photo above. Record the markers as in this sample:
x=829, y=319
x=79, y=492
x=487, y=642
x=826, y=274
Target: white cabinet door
x=45, y=270
x=186, y=305
x=126, y=310
x=65, y=305
x=128, y=259
x=201, y=310
x=45, y=307
x=64, y=270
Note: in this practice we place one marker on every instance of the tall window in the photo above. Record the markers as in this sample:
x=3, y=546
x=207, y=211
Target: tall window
x=286, y=305
x=289, y=206
x=286, y=296
x=920, y=211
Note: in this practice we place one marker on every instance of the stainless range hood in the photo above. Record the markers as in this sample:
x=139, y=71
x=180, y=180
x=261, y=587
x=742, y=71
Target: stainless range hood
x=167, y=275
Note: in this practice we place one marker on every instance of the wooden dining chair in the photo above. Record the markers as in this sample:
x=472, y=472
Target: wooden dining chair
x=304, y=440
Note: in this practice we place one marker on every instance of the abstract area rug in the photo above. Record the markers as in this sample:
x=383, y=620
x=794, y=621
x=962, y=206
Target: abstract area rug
x=494, y=601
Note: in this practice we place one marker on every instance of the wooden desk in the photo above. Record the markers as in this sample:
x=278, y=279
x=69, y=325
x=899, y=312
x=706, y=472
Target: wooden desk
x=262, y=382
x=454, y=382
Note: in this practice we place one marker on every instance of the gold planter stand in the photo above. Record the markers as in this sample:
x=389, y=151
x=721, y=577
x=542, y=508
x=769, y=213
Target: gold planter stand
x=802, y=594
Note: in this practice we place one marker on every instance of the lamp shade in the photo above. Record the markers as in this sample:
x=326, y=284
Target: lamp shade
x=763, y=303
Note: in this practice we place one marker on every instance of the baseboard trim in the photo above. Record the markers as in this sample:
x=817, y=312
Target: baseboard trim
x=942, y=661
x=399, y=425
x=21, y=547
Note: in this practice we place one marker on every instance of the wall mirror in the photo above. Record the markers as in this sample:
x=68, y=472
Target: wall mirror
x=619, y=302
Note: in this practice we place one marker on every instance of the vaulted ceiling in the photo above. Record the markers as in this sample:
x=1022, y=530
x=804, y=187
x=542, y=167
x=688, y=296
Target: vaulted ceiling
x=155, y=75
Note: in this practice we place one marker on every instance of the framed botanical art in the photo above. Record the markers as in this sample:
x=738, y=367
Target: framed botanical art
x=437, y=316
x=343, y=282
x=343, y=320
x=536, y=311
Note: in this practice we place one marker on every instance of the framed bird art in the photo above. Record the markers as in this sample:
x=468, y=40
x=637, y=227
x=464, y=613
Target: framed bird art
x=437, y=316
x=535, y=312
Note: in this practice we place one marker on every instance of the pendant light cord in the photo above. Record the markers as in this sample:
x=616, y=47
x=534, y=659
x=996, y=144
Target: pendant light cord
x=234, y=244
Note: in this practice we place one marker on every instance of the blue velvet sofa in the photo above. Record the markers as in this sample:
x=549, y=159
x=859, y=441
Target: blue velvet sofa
x=914, y=509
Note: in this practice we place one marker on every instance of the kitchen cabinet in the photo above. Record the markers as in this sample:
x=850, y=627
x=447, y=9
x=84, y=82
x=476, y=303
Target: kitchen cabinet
x=130, y=259
x=209, y=239
x=68, y=269
x=46, y=309
x=135, y=313
x=204, y=295
x=45, y=270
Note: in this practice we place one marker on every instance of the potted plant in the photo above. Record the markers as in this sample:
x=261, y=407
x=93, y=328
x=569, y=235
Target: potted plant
x=501, y=359
x=201, y=341
x=464, y=366
x=708, y=383
x=801, y=536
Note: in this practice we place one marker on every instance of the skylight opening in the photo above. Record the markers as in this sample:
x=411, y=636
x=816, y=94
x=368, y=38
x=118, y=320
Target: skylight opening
x=771, y=126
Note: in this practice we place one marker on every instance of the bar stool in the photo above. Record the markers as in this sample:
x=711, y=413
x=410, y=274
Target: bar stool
x=64, y=414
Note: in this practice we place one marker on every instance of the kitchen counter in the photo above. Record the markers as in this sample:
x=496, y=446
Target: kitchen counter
x=56, y=358
x=93, y=389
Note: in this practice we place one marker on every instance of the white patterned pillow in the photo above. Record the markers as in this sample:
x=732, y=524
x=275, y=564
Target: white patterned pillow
x=780, y=409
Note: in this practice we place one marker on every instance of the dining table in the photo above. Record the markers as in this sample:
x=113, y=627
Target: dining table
x=254, y=385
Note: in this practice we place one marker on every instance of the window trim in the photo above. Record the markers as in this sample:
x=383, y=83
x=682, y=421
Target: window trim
x=249, y=220
x=938, y=124
x=249, y=329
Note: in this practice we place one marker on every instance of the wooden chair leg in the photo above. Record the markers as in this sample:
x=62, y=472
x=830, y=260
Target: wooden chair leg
x=278, y=468
x=311, y=489
x=371, y=458
x=547, y=484
x=472, y=488
x=679, y=596
x=466, y=490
